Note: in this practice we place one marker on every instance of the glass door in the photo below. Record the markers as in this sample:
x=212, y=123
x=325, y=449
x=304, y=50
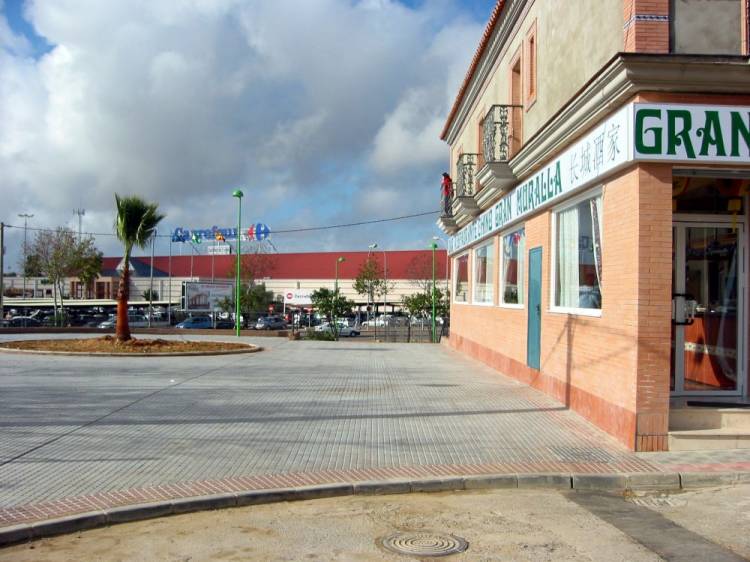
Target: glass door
x=707, y=309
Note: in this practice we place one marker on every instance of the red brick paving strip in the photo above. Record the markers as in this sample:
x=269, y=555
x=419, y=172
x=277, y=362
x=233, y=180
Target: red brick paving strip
x=118, y=498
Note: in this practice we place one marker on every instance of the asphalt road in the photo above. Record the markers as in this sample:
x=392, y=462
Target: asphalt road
x=539, y=525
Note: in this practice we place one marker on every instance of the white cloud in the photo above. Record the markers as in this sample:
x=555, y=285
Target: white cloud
x=311, y=103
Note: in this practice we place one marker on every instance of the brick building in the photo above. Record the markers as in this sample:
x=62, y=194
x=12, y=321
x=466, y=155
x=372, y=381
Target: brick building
x=601, y=165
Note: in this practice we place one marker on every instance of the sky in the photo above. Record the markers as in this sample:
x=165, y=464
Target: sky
x=322, y=111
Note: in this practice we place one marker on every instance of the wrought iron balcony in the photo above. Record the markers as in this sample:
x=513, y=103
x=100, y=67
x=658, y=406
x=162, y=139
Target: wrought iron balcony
x=464, y=206
x=498, y=147
x=496, y=133
x=466, y=166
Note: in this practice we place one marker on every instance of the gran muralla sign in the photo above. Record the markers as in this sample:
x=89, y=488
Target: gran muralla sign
x=655, y=132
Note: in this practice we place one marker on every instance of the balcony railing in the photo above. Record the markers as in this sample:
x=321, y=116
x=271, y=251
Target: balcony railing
x=497, y=135
x=466, y=168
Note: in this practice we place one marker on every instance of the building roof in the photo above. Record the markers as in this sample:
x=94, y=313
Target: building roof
x=488, y=31
x=402, y=264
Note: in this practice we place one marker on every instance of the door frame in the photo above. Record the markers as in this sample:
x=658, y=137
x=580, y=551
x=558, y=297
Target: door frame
x=537, y=361
x=708, y=221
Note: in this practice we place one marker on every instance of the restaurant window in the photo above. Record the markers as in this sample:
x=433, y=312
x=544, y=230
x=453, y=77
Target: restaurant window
x=513, y=251
x=484, y=273
x=578, y=255
x=461, y=271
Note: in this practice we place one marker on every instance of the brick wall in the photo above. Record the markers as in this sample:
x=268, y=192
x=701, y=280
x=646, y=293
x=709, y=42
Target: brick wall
x=646, y=26
x=613, y=369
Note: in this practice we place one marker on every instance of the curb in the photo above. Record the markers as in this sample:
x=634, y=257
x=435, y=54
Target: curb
x=251, y=348
x=620, y=483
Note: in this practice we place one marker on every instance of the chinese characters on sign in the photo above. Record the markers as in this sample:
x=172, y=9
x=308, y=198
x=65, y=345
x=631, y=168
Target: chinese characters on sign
x=601, y=151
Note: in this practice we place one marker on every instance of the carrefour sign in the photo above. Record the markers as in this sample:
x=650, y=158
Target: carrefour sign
x=258, y=231
x=637, y=132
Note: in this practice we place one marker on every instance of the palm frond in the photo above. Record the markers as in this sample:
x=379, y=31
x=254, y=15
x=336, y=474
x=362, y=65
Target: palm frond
x=136, y=221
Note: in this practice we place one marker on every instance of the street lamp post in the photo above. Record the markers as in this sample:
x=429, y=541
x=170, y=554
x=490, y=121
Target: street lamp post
x=447, y=265
x=238, y=194
x=434, y=246
x=339, y=260
x=25, y=217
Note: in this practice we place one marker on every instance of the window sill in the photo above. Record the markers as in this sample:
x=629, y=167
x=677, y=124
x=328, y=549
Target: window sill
x=512, y=306
x=459, y=302
x=488, y=303
x=591, y=312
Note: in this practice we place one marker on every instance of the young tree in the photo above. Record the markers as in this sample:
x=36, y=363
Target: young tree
x=254, y=265
x=369, y=281
x=151, y=295
x=135, y=226
x=253, y=298
x=60, y=254
x=89, y=267
x=420, y=304
x=331, y=304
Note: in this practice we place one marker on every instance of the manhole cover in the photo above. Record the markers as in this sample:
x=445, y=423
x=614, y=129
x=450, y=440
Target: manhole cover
x=424, y=544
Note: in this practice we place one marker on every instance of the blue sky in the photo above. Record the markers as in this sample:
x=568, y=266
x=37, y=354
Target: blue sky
x=330, y=116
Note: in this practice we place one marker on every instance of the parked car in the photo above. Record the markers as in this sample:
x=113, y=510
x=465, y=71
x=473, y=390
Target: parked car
x=196, y=323
x=270, y=323
x=224, y=324
x=345, y=331
x=134, y=321
x=23, y=322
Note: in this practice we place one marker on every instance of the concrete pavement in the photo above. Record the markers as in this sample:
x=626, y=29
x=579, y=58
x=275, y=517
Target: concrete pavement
x=80, y=434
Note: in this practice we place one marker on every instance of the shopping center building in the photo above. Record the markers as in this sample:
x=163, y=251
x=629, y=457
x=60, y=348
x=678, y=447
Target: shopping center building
x=600, y=153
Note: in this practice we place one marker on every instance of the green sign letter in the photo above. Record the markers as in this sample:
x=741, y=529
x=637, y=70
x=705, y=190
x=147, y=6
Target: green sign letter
x=640, y=145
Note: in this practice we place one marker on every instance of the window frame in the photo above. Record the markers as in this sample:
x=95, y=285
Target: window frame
x=501, y=282
x=531, y=47
x=597, y=191
x=473, y=285
x=455, y=278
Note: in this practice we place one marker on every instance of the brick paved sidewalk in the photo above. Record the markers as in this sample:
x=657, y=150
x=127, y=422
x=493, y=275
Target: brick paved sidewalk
x=88, y=433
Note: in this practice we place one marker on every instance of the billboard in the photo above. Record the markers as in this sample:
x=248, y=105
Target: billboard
x=205, y=297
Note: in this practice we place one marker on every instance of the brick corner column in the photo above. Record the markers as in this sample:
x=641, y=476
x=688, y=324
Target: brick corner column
x=654, y=338
x=646, y=26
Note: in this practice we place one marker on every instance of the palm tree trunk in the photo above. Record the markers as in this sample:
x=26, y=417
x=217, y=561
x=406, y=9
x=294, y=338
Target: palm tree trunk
x=122, y=329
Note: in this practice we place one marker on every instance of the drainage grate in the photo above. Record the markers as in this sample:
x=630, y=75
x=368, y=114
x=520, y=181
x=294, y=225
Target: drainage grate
x=424, y=544
x=658, y=501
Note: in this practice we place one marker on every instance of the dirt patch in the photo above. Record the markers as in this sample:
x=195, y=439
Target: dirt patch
x=109, y=344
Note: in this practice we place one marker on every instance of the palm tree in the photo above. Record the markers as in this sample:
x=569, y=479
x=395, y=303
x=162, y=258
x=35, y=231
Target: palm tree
x=135, y=226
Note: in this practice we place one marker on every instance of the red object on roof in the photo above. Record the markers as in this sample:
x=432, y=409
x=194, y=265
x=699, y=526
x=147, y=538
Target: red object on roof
x=488, y=31
x=402, y=264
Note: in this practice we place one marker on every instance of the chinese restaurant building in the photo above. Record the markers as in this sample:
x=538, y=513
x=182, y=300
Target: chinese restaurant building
x=600, y=153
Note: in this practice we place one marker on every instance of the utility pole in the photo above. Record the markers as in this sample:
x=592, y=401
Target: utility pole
x=25, y=217
x=2, y=277
x=80, y=213
x=151, y=280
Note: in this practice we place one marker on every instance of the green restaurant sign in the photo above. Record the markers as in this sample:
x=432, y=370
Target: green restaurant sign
x=692, y=133
x=643, y=132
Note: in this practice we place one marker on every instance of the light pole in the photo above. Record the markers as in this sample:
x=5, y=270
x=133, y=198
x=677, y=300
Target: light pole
x=434, y=246
x=371, y=289
x=25, y=218
x=447, y=265
x=151, y=280
x=339, y=260
x=385, y=291
x=238, y=194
